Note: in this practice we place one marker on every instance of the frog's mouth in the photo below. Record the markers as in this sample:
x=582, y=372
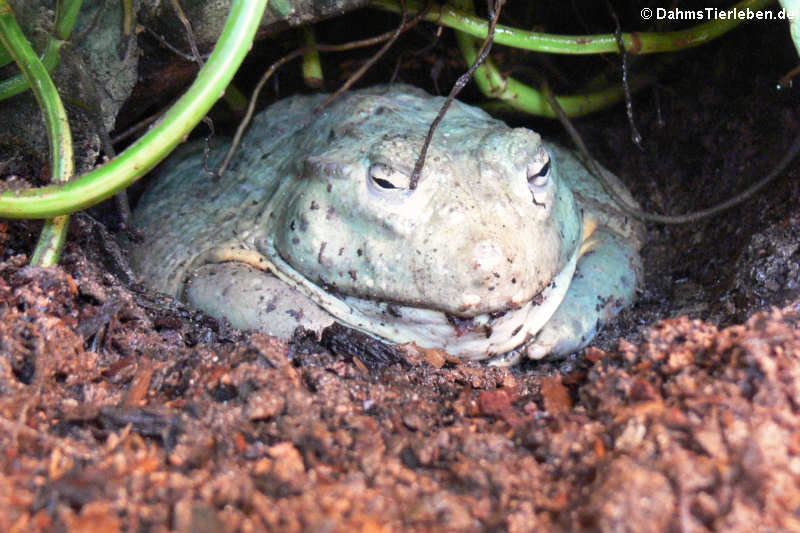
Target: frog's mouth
x=475, y=338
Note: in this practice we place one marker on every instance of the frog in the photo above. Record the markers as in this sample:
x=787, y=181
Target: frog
x=505, y=248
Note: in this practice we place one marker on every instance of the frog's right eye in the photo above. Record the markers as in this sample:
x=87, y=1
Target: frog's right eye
x=387, y=178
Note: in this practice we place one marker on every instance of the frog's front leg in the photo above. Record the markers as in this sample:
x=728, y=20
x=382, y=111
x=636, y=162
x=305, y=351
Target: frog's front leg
x=236, y=286
x=604, y=283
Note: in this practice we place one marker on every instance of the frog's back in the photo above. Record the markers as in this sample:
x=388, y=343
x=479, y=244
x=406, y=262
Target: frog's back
x=187, y=210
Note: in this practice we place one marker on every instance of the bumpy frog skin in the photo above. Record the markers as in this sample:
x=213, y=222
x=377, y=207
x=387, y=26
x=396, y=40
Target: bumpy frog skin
x=507, y=246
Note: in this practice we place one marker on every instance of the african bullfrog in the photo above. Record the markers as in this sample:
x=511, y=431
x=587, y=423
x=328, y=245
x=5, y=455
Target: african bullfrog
x=506, y=247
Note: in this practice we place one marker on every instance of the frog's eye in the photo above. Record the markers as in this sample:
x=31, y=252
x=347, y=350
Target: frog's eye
x=387, y=178
x=539, y=172
x=539, y=169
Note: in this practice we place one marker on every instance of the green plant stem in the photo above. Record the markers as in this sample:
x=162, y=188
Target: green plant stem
x=51, y=241
x=312, y=66
x=65, y=20
x=525, y=98
x=635, y=43
x=43, y=89
x=66, y=16
x=127, y=17
x=16, y=84
x=151, y=148
x=521, y=96
x=5, y=57
x=236, y=99
x=59, y=137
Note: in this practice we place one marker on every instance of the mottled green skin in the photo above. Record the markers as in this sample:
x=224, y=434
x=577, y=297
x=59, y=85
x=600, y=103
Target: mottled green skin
x=475, y=260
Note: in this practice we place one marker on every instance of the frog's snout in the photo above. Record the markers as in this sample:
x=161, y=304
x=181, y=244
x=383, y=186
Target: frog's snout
x=489, y=268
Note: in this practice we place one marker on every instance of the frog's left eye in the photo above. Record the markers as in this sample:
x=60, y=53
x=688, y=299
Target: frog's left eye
x=539, y=169
x=387, y=178
x=539, y=172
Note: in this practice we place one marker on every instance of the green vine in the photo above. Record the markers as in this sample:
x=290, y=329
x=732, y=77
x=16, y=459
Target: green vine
x=635, y=43
x=158, y=142
x=58, y=132
x=66, y=16
x=470, y=30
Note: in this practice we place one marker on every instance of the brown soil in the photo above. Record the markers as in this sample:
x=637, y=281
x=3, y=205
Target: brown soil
x=123, y=410
x=118, y=418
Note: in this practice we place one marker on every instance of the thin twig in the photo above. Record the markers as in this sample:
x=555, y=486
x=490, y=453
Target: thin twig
x=594, y=168
x=265, y=77
x=457, y=86
x=94, y=111
x=251, y=106
x=207, y=145
x=77, y=38
x=435, y=70
x=371, y=61
x=172, y=48
x=636, y=137
x=237, y=138
x=176, y=5
x=786, y=80
x=132, y=130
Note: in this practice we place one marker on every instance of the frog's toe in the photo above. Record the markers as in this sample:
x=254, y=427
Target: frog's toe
x=510, y=358
x=604, y=283
x=251, y=298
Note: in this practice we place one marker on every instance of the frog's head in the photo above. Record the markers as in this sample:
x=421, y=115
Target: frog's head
x=487, y=228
